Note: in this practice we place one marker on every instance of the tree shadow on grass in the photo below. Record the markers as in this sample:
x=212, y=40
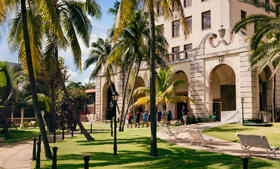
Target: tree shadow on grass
x=169, y=157
x=138, y=141
x=19, y=135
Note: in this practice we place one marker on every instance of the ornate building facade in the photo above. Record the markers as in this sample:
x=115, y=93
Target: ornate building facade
x=213, y=61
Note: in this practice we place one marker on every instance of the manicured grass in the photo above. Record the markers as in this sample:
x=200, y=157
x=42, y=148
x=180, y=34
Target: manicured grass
x=133, y=152
x=18, y=134
x=228, y=132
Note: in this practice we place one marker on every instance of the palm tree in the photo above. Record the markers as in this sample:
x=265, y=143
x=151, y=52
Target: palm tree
x=131, y=49
x=71, y=17
x=29, y=58
x=264, y=52
x=126, y=9
x=165, y=89
x=99, y=54
x=69, y=20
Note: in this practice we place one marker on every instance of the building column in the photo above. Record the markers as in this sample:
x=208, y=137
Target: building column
x=196, y=88
x=249, y=89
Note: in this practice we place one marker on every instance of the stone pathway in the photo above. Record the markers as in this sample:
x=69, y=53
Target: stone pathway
x=215, y=144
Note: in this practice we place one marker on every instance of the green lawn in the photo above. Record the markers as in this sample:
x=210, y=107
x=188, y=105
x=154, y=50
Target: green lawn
x=133, y=152
x=228, y=132
x=22, y=134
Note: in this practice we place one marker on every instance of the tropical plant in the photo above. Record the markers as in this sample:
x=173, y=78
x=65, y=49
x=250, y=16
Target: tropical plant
x=99, y=54
x=165, y=89
x=265, y=41
x=67, y=18
x=126, y=9
x=10, y=79
x=28, y=57
x=132, y=49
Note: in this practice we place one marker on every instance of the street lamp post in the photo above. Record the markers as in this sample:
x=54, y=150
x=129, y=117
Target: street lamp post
x=111, y=116
x=115, y=97
x=242, y=102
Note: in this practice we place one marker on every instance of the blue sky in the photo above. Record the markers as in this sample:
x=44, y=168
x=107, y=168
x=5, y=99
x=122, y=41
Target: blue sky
x=100, y=28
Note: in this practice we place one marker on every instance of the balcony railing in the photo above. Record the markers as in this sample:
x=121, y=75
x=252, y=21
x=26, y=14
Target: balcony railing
x=181, y=56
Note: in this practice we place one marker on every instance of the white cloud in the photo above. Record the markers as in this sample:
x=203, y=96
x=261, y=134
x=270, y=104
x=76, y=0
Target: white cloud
x=73, y=76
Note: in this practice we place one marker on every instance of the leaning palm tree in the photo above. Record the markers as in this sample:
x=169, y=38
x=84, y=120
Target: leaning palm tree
x=71, y=21
x=165, y=89
x=28, y=57
x=265, y=52
x=126, y=9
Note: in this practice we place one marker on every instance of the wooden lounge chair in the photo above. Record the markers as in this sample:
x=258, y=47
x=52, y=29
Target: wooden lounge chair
x=197, y=137
x=248, y=141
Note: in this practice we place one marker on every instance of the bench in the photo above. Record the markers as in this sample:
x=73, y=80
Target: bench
x=197, y=137
x=248, y=141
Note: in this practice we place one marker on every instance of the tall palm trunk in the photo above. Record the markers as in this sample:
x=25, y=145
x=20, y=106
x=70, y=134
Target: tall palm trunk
x=274, y=76
x=52, y=85
x=129, y=98
x=152, y=80
x=76, y=117
x=36, y=105
x=124, y=93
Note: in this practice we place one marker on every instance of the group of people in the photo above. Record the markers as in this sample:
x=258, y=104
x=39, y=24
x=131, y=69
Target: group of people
x=144, y=118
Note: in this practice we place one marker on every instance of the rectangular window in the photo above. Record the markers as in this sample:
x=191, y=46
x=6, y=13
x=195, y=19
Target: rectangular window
x=189, y=23
x=175, y=53
x=243, y=16
x=175, y=28
x=187, y=47
x=187, y=3
x=206, y=20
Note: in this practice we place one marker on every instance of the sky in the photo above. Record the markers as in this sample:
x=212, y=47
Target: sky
x=100, y=28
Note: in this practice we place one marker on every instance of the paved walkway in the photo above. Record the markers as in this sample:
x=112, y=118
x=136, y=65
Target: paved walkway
x=16, y=155
x=215, y=144
x=19, y=155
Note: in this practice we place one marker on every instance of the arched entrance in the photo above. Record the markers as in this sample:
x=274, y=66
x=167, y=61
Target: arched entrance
x=107, y=98
x=222, y=91
x=139, y=83
x=181, y=90
x=265, y=90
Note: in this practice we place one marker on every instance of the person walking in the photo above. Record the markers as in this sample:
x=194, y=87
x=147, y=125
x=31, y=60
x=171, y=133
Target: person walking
x=129, y=120
x=169, y=117
x=185, y=114
x=149, y=119
x=138, y=116
x=145, y=119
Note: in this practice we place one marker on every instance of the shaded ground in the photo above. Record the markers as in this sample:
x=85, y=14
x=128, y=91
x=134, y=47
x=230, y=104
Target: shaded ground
x=133, y=152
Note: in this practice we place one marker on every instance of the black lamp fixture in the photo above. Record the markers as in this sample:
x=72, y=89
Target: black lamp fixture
x=115, y=96
x=111, y=105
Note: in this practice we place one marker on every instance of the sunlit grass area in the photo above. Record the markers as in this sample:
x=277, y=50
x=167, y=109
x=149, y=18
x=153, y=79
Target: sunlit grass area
x=228, y=132
x=133, y=152
x=19, y=134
